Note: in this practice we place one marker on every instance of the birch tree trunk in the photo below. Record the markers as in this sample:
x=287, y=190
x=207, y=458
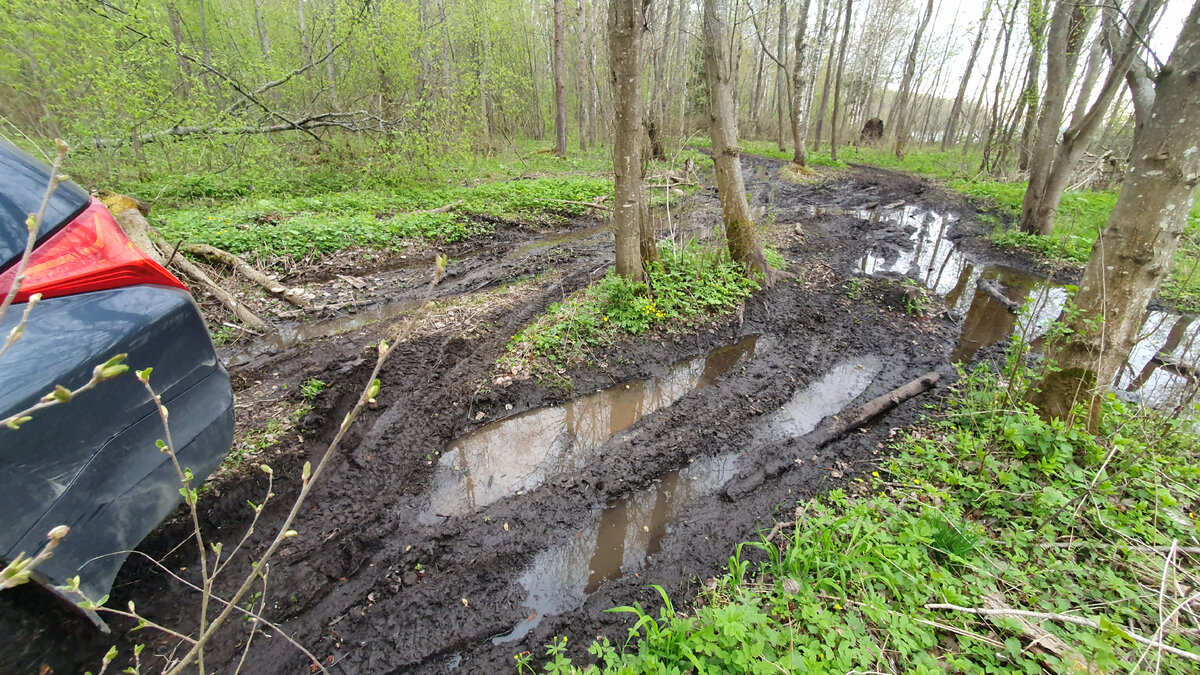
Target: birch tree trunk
x=837, y=85
x=899, y=121
x=800, y=95
x=956, y=109
x=626, y=28
x=1133, y=255
x=560, y=89
x=722, y=128
x=1037, y=37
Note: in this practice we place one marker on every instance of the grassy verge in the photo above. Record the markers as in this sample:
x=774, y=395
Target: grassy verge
x=985, y=505
x=687, y=286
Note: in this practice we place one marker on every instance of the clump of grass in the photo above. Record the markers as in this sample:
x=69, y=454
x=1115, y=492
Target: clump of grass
x=984, y=504
x=687, y=287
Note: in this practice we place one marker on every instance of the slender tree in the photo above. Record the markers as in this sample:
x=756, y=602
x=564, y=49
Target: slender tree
x=782, y=101
x=1133, y=254
x=956, y=109
x=837, y=85
x=560, y=88
x=800, y=91
x=899, y=116
x=1054, y=160
x=631, y=217
x=581, y=79
x=722, y=128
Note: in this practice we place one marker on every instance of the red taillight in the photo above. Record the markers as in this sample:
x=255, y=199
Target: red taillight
x=91, y=253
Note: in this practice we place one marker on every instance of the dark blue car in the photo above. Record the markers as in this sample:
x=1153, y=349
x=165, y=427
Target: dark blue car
x=91, y=463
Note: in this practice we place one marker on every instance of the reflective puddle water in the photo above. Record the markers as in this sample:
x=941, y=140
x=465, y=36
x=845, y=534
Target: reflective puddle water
x=618, y=542
x=521, y=452
x=1161, y=370
x=623, y=536
x=828, y=395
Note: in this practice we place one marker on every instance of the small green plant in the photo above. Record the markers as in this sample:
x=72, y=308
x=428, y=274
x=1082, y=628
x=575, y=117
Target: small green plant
x=311, y=388
x=686, y=287
x=856, y=287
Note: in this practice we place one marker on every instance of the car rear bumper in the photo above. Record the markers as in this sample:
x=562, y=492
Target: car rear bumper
x=109, y=510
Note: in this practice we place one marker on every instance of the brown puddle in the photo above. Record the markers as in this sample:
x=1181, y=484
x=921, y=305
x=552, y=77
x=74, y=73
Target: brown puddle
x=628, y=531
x=519, y=453
x=1161, y=369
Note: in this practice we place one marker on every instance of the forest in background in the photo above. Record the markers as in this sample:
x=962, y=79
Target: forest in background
x=221, y=84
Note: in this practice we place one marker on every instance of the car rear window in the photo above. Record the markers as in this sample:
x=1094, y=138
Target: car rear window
x=23, y=181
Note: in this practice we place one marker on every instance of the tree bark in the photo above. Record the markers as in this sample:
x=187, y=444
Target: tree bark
x=185, y=66
x=722, y=128
x=800, y=95
x=1133, y=255
x=899, y=121
x=1037, y=38
x=956, y=109
x=837, y=85
x=823, y=106
x=782, y=101
x=626, y=28
x=560, y=89
x=581, y=79
x=1048, y=180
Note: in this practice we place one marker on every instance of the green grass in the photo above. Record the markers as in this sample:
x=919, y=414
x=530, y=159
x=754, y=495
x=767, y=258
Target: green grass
x=983, y=501
x=690, y=286
x=298, y=226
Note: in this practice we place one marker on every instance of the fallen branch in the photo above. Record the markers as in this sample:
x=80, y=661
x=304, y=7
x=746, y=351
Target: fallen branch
x=295, y=296
x=351, y=121
x=831, y=431
x=593, y=205
x=1065, y=618
x=127, y=214
x=993, y=291
x=441, y=209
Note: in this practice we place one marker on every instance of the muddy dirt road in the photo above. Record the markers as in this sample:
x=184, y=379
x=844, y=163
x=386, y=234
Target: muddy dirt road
x=471, y=516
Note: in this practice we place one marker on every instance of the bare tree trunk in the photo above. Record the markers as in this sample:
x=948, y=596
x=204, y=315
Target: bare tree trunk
x=304, y=42
x=827, y=85
x=264, y=38
x=722, y=128
x=560, y=89
x=581, y=79
x=899, y=121
x=1037, y=37
x=755, y=108
x=956, y=108
x=1048, y=181
x=185, y=66
x=800, y=95
x=1091, y=73
x=1006, y=24
x=656, y=127
x=781, y=100
x=837, y=85
x=330, y=67
x=631, y=216
x=1134, y=253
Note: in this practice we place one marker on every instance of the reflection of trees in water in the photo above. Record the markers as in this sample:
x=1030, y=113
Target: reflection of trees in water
x=522, y=452
x=838, y=387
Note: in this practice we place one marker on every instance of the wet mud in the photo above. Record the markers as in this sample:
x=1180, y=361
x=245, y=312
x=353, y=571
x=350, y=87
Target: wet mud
x=470, y=517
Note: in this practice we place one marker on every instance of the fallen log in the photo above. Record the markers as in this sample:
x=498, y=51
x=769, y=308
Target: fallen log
x=295, y=296
x=833, y=429
x=993, y=291
x=127, y=211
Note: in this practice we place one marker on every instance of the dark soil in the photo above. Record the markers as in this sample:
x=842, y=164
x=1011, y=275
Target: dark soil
x=368, y=588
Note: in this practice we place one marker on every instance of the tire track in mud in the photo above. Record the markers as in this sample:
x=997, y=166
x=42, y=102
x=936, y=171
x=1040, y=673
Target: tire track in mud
x=371, y=586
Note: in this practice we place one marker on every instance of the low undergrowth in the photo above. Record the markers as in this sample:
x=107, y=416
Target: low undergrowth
x=987, y=507
x=299, y=226
x=686, y=287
